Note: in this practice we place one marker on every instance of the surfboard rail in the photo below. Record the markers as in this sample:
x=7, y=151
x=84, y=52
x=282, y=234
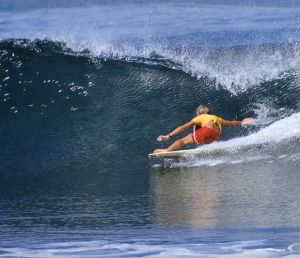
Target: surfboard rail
x=172, y=154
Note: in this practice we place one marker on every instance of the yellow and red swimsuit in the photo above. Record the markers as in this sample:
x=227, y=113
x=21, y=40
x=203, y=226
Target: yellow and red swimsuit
x=204, y=134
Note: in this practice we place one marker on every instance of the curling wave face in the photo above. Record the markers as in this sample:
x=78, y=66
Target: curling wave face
x=45, y=80
x=84, y=93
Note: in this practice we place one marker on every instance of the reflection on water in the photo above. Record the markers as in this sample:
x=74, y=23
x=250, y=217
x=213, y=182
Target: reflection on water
x=186, y=197
x=253, y=194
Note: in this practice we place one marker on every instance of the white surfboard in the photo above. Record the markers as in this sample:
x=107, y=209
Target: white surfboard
x=218, y=151
x=172, y=154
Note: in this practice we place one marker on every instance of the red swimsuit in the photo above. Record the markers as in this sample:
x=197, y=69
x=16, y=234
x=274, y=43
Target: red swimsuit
x=205, y=135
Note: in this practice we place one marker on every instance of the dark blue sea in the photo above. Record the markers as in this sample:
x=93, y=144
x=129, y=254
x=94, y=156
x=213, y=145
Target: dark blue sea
x=87, y=86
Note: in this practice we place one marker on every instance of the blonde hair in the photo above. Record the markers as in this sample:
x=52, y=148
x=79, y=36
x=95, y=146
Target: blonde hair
x=202, y=110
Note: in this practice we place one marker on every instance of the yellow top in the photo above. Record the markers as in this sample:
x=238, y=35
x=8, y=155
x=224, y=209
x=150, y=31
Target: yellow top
x=203, y=119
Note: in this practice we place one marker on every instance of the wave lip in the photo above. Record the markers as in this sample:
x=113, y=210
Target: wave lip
x=235, y=69
x=187, y=35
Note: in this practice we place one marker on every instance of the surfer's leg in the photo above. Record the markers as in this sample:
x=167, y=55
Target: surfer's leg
x=178, y=144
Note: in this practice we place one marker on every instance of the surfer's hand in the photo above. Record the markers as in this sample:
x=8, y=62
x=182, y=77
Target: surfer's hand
x=163, y=138
x=248, y=121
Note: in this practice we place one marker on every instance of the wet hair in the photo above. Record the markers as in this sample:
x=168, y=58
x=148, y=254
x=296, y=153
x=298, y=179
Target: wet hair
x=200, y=109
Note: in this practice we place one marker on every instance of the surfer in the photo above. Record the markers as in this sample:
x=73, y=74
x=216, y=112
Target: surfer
x=207, y=129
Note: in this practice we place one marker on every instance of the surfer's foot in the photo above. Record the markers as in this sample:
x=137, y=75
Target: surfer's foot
x=160, y=150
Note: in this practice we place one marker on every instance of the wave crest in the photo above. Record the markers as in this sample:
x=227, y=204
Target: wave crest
x=234, y=69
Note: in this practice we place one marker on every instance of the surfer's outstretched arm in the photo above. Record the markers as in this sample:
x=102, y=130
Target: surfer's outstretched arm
x=176, y=131
x=246, y=121
x=231, y=123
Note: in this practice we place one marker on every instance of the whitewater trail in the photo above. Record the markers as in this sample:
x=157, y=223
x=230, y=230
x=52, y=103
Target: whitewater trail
x=269, y=142
x=284, y=129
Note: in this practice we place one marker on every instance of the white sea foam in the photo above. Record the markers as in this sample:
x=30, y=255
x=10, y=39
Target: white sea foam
x=137, y=249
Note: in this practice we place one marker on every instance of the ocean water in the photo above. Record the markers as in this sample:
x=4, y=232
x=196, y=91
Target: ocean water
x=87, y=86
